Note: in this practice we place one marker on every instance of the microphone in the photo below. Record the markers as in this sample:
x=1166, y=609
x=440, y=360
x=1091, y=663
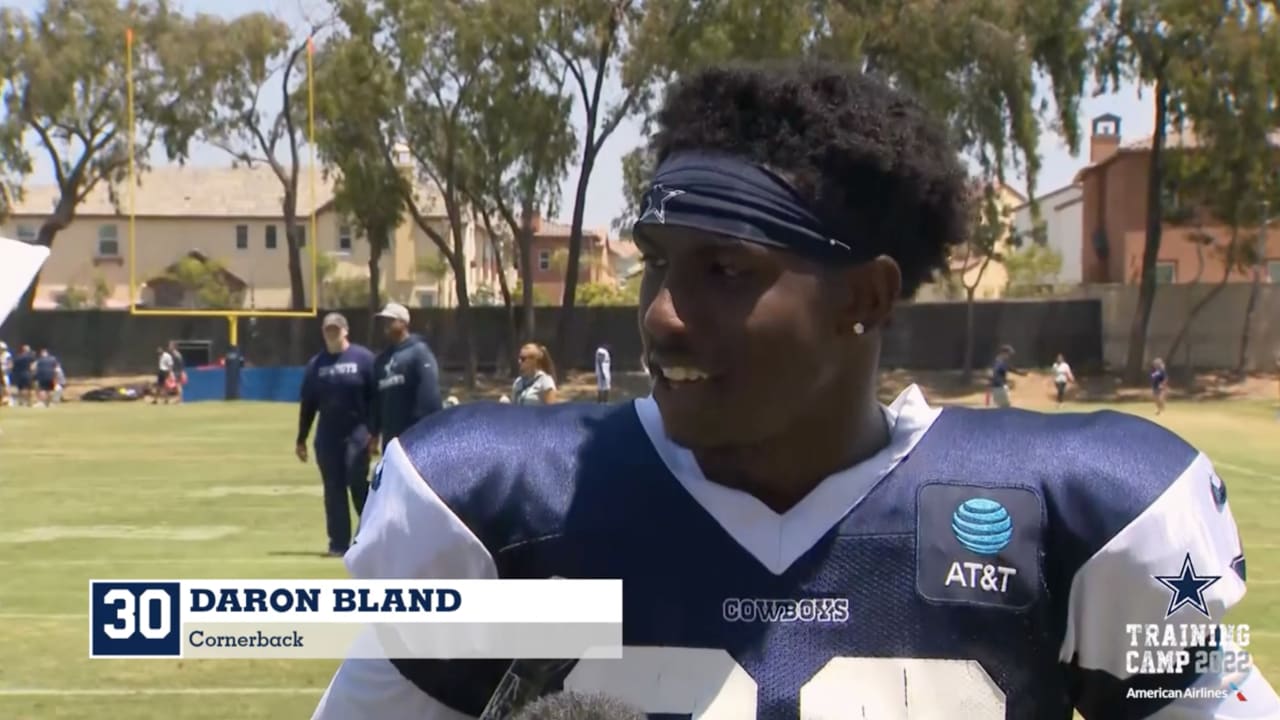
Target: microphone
x=578, y=706
x=522, y=685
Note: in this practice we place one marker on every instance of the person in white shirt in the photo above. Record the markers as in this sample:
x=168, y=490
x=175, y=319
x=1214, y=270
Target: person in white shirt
x=604, y=378
x=536, y=384
x=6, y=367
x=1062, y=377
x=164, y=376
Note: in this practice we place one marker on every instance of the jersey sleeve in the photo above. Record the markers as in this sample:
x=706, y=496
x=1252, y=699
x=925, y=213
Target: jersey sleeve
x=1178, y=565
x=405, y=531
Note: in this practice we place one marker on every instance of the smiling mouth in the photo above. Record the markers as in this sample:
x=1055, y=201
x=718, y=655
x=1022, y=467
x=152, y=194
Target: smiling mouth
x=679, y=375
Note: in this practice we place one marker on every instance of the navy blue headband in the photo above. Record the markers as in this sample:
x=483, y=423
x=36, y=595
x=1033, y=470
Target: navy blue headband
x=728, y=196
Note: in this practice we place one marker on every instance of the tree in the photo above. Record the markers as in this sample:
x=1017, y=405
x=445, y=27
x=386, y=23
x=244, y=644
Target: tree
x=72, y=297
x=65, y=83
x=989, y=232
x=519, y=150
x=204, y=283
x=603, y=294
x=357, y=92
x=101, y=292
x=1227, y=98
x=973, y=62
x=1157, y=43
x=260, y=52
x=440, y=53
x=1032, y=269
x=434, y=267
x=590, y=40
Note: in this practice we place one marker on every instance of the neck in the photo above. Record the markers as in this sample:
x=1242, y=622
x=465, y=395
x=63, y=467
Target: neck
x=399, y=338
x=782, y=470
x=340, y=347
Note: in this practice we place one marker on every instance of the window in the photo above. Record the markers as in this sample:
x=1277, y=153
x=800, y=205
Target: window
x=26, y=233
x=271, y=237
x=344, y=238
x=301, y=231
x=1273, y=270
x=242, y=237
x=426, y=298
x=1166, y=272
x=108, y=241
x=544, y=259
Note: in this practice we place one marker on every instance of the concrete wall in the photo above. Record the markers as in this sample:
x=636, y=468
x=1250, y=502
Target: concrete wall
x=1214, y=337
x=924, y=336
x=1092, y=329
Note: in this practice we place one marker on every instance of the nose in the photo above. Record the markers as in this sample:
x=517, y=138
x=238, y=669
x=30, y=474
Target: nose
x=662, y=321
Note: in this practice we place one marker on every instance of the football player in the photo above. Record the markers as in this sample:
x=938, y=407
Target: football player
x=789, y=547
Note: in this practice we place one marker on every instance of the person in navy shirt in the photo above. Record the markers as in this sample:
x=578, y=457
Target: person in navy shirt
x=790, y=548
x=338, y=384
x=46, y=369
x=23, y=367
x=407, y=374
x=1000, y=370
x=1159, y=383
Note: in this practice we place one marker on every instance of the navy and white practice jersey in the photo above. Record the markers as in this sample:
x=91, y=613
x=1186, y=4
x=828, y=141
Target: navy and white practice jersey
x=986, y=565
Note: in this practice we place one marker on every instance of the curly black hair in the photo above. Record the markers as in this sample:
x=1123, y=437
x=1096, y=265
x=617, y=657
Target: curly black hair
x=876, y=167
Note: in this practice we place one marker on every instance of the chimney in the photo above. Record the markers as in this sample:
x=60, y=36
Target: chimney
x=1104, y=140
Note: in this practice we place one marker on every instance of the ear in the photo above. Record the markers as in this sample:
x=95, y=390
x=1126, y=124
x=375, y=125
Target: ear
x=870, y=290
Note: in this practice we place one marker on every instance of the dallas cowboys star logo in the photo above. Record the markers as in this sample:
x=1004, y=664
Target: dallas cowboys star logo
x=1188, y=588
x=655, y=203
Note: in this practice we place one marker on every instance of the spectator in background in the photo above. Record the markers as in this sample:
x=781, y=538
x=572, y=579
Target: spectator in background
x=1062, y=377
x=1159, y=383
x=23, y=367
x=60, y=384
x=338, y=384
x=46, y=376
x=604, y=378
x=537, y=382
x=1000, y=370
x=408, y=377
x=6, y=374
x=179, y=370
x=164, y=376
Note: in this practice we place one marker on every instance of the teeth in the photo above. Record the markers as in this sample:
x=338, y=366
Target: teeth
x=683, y=374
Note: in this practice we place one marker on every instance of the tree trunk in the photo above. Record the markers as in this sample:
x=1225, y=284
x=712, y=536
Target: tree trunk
x=966, y=373
x=378, y=241
x=458, y=263
x=297, y=287
x=508, y=365
x=465, y=327
x=1242, y=362
x=565, y=326
x=525, y=242
x=1135, y=363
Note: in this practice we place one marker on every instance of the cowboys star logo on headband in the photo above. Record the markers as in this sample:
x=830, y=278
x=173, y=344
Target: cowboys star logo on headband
x=655, y=203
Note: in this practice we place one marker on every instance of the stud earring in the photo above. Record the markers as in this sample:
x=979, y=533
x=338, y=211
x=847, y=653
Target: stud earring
x=858, y=328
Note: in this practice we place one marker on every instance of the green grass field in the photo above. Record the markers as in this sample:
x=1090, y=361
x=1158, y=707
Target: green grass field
x=213, y=490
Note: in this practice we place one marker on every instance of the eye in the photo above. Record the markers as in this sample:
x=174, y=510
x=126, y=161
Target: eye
x=727, y=269
x=653, y=261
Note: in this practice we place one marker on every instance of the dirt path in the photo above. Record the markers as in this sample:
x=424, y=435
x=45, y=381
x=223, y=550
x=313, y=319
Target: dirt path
x=1034, y=390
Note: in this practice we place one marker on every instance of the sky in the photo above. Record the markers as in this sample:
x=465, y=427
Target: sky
x=605, y=200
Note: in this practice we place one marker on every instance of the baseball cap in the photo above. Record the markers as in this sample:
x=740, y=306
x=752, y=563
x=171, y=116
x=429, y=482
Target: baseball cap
x=395, y=311
x=335, y=320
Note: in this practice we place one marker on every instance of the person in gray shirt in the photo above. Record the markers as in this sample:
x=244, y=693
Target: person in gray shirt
x=407, y=375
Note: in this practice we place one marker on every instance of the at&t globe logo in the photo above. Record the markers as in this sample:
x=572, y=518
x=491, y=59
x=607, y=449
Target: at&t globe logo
x=983, y=527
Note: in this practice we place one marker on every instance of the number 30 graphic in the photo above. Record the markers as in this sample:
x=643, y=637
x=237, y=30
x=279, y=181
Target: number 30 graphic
x=153, y=626
x=711, y=685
